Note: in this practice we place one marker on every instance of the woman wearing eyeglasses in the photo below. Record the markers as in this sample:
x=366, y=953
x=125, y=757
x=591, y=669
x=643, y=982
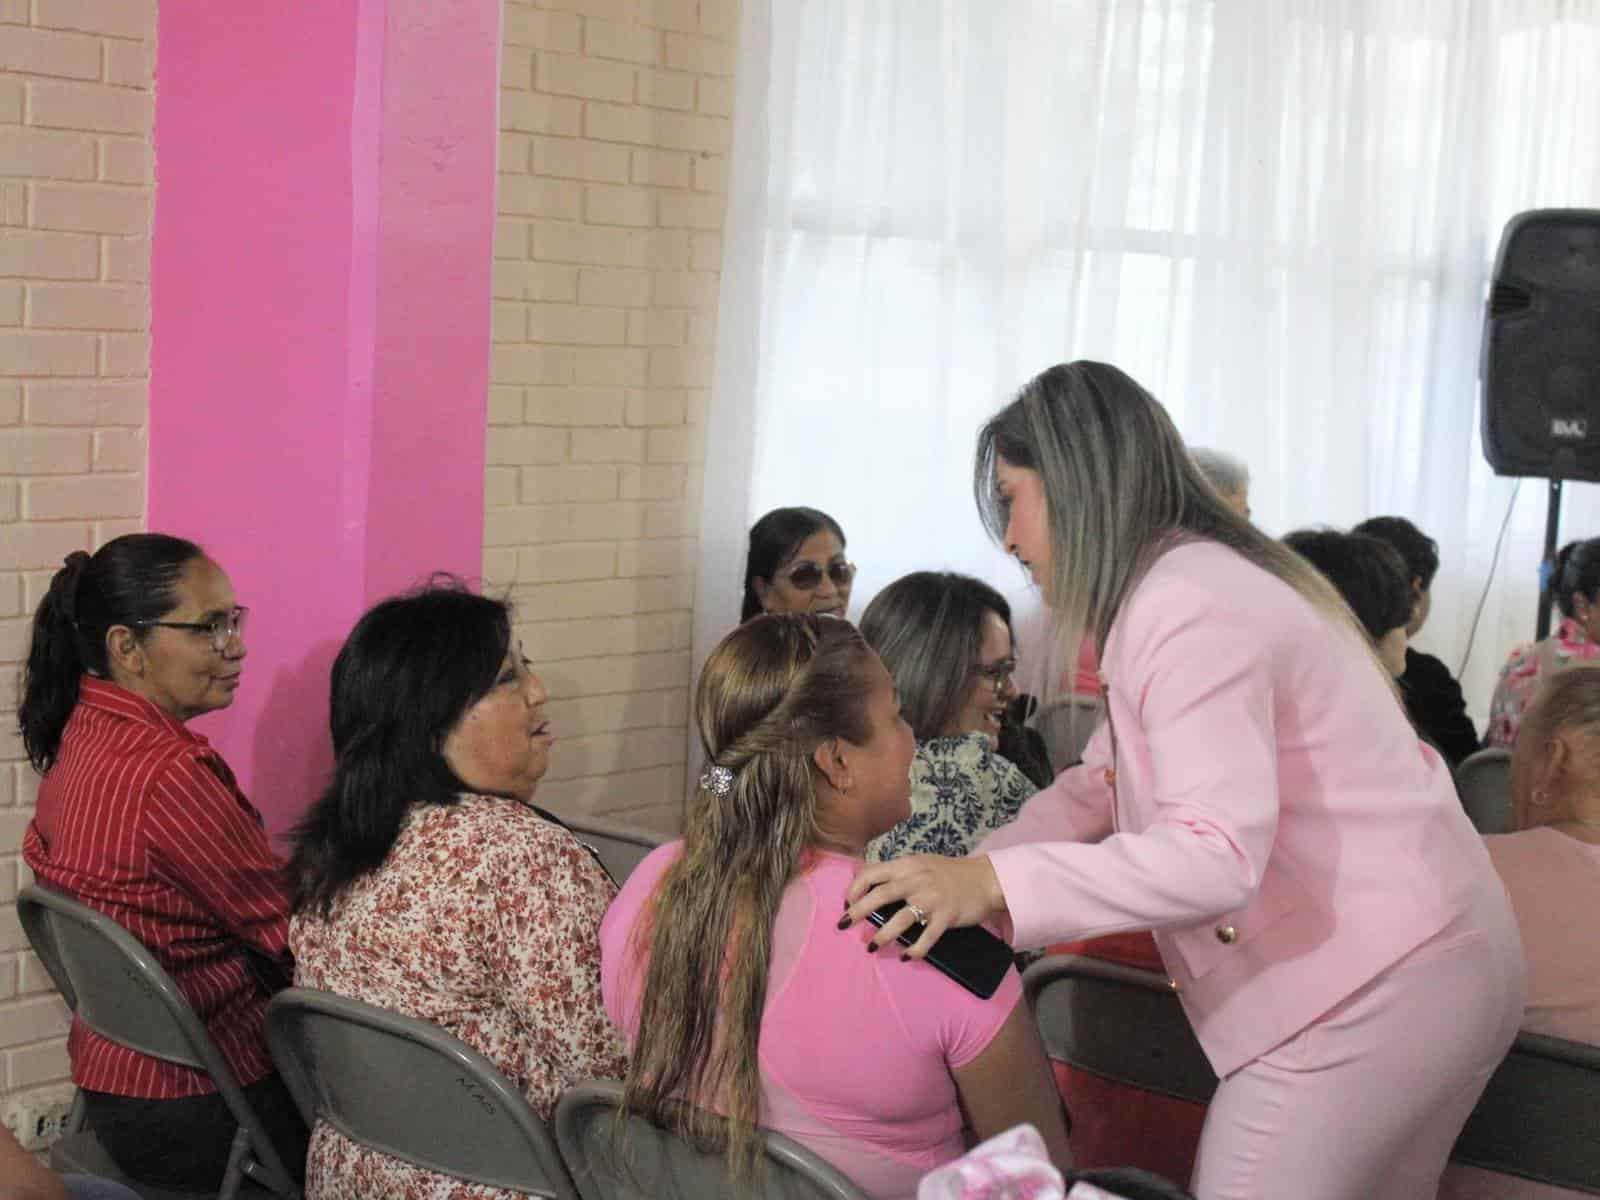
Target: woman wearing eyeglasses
x=796, y=564
x=946, y=640
x=139, y=818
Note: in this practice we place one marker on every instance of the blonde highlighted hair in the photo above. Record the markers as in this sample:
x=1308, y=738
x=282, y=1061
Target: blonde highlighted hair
x=770, y=693
x=1120, y=489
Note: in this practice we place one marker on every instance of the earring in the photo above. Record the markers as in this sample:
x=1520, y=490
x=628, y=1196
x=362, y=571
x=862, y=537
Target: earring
x=1540, y=798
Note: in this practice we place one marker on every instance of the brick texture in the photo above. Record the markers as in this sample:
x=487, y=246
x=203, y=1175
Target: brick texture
x=615, y=128
x=75, y=201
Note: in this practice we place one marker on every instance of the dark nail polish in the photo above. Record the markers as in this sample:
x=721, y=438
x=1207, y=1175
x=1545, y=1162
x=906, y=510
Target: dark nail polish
x=872, y=947
x=905, y=958
x=844, y=921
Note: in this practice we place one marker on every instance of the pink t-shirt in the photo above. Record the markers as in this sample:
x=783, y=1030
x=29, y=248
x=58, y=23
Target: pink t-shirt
x=857, y=1049
x=1554, y=884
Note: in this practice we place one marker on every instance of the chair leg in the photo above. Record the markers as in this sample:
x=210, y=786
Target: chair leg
x=234, y=1175
x=77, y=1116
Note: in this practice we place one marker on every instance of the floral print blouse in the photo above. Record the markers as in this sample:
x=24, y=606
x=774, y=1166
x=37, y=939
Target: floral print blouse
x=484, y=919
x=961, y=791
x=1528, y=666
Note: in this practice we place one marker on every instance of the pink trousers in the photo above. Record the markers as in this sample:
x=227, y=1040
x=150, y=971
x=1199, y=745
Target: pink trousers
x=1365, y=1103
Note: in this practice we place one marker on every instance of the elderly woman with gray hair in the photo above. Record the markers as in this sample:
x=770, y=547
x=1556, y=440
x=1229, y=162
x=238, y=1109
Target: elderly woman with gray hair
x=947, y=642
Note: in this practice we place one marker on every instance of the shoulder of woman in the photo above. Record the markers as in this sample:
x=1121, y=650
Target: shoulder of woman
x=966, y=749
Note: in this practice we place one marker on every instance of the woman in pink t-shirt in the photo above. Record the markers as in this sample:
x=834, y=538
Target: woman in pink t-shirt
x=724, y=964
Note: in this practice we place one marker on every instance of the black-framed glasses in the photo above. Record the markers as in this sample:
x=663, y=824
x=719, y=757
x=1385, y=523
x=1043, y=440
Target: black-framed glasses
x=221, y=629
x=998, y=673
x=807, y=576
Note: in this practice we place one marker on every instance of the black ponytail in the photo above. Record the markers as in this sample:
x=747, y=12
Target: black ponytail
x=130, y=579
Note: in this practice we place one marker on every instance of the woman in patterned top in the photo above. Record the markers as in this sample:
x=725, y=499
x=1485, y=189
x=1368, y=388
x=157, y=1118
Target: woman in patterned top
x=946, y=639
x=426, y=882
x=1576, y=585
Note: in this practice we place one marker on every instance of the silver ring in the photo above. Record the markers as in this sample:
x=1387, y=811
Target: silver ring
x=922, y=917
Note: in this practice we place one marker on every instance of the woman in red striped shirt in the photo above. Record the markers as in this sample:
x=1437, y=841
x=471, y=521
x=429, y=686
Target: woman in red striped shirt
x=139, y=818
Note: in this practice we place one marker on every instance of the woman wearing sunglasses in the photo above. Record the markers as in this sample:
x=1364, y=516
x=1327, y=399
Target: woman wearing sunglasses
x=140, y=819
x=796, y=564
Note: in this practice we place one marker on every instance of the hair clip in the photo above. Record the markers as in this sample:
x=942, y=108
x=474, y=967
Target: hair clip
x=717, y=780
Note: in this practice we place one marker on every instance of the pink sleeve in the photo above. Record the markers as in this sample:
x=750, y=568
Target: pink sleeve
x=621, y=980
x=1203, y=689
x=937, y=1011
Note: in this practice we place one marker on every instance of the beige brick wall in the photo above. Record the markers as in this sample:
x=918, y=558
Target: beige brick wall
x=75, y=197
x=615, y=128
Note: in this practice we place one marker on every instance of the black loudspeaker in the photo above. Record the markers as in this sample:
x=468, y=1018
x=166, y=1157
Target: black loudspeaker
x=1541, y=347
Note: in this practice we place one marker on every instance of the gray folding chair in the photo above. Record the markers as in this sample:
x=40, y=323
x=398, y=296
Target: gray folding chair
x=646, y=1162
x=620, y=847
x=408, y=1089
x=116, y=987
x=1118, y=1022
x=1483, y=781
x=1066, y=727
x=1539, y=1118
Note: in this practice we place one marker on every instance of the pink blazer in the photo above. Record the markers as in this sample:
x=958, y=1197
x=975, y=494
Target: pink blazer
x=1257, y=797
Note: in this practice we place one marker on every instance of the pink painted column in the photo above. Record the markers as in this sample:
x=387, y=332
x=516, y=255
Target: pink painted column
x=321, y=300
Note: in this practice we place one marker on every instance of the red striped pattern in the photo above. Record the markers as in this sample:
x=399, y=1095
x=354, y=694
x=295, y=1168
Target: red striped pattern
x=140, y=819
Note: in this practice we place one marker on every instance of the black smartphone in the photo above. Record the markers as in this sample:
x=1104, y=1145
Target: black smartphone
x=972, y=956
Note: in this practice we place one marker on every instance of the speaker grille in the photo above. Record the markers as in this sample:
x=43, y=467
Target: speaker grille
x=1507, y=299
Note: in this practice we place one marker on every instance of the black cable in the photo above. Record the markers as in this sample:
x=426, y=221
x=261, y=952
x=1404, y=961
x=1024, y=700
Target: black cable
x=1494, y=561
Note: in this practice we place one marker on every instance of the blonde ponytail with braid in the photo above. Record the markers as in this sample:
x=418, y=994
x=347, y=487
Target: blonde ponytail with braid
x=770, y=693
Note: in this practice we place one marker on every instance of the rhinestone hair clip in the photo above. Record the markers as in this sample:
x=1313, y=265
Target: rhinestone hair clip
x=717, y=780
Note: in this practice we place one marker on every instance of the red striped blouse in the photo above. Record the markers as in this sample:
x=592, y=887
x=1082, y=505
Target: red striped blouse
x=141, y=819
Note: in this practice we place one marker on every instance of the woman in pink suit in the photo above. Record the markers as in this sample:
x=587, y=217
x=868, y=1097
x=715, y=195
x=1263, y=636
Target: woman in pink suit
x=1256, y=797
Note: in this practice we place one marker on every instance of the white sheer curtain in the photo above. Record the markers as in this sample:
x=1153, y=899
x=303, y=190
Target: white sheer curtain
x=1279, y=215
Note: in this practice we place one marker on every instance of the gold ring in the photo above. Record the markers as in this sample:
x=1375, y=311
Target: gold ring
x=922, y=917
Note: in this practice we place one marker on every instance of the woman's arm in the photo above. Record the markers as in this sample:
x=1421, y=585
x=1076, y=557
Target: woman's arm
x=546, y=948
x=1199, y=679
x=1009, y=1082
x=207, y=841
x=21, y=1176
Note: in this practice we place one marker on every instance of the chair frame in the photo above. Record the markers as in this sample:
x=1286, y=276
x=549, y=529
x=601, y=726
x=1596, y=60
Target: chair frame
x=1475, y=765
x=482, y=1080
x=573, y=1113
x=1517, y=1125
x=618, y=847
x=1178, y=1068
x=252, y=1155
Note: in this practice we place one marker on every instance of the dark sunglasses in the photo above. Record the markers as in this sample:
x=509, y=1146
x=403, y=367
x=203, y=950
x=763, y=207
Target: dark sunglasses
x=807, y=576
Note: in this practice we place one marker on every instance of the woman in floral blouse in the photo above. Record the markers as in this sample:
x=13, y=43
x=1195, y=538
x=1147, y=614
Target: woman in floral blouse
x=946, y=639
x=426, y=882
x=1576, y=640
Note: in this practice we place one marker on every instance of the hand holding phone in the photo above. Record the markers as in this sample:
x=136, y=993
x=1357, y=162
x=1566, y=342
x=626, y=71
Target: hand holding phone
x=970, y=955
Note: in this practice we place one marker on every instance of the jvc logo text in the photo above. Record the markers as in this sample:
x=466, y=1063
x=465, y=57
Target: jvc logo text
x=1569, y=427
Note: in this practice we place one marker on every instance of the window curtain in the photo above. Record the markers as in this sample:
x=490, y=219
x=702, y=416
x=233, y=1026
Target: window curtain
x=1280, y=216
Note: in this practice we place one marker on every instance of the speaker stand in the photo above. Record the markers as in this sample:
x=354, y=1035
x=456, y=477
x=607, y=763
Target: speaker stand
x=1547, y=569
